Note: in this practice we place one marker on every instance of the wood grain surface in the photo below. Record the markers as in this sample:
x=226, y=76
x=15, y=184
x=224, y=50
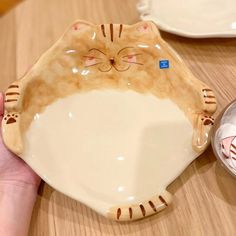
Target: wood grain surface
x=5, y=5
x=204, y=195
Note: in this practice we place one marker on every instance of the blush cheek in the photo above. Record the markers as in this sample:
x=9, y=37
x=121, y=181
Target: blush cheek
x=143, y=29
x=132, y=59
x=90, y=62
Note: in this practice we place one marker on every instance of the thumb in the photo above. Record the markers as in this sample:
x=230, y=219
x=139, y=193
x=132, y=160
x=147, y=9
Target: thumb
x=1, y=104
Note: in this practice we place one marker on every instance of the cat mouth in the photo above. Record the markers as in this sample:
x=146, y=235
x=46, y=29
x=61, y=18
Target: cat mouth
x=117, y=69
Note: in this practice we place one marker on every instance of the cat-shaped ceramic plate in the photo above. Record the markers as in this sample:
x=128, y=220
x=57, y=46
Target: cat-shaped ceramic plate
x=110, y=115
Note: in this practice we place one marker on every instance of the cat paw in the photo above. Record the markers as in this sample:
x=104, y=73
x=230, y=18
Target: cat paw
x=208, y=120
x=10, y=118
x=11, y=132
x=201, y=133
x=142, y=209
x=209, y=101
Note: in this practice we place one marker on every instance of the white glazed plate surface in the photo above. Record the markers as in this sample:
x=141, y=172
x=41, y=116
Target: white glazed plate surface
x=191, y=18
x=118, y=147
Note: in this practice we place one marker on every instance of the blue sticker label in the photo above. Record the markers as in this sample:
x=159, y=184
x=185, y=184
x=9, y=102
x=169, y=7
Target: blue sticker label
x=164, y=64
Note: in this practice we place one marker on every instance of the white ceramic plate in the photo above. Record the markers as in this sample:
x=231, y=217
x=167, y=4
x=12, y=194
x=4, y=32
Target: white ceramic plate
x=192, y=18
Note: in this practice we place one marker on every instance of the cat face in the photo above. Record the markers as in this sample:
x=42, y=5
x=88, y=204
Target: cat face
x=89, y=57
x=111, y=49
x=120, y=61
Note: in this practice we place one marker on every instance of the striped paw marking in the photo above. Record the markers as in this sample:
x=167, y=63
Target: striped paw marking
x=12, y=93
x=143, y=208
x=208, y=120
x=10, y=118
x=209, y=97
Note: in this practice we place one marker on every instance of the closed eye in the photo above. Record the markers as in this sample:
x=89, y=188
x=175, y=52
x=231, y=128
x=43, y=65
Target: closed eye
x=95, y=49
x=131, y=55
x=91, y=57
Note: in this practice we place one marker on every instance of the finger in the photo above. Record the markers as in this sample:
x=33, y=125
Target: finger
x=1, y=104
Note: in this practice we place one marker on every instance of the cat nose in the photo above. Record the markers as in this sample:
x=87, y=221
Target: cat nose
x=112, y=61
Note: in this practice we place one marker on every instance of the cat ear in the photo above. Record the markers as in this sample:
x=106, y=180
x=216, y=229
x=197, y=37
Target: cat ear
x=81, y=26
x=78, y=26
x=146, y=27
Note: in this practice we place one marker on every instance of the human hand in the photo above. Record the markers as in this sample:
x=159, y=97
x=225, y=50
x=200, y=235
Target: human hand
x=14, y=171
x=18, y=187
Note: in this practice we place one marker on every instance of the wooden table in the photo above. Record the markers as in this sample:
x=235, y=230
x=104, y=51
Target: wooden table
x=204, y=195
x=5, y=5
